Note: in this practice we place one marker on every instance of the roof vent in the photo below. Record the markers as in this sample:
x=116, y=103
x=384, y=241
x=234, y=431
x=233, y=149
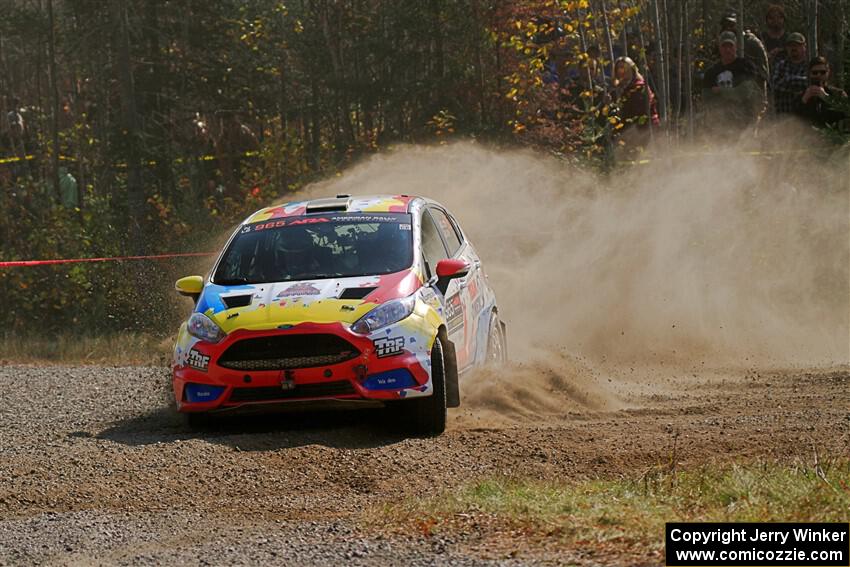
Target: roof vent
x=343, y=196
x=338, y=205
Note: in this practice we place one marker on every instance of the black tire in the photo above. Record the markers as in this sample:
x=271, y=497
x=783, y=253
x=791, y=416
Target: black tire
x=428, y=415
x=198, y=421
x=497, y=344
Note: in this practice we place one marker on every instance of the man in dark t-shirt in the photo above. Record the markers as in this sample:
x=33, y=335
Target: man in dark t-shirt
x=730, y=90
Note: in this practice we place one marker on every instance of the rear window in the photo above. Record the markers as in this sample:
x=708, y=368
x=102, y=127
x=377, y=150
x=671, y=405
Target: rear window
x=316, y=247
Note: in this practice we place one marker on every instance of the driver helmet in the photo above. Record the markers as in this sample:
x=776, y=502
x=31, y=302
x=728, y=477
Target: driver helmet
x=296, y=240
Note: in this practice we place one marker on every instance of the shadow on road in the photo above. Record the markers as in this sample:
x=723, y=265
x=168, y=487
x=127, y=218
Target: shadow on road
x=357, y=429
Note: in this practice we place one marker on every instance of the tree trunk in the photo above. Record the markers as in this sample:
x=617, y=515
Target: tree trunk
x=812, y=30
x=689, y=65
x=842, y=38
x=740, y=28
x=661, y=62
x=679, y=55
x=343, y=106
x=54, y=99
x=607, y=28
x=645, y=65
x=283, y=135
x=130, y=126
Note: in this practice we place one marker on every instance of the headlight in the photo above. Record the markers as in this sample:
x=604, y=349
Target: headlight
x=204, y=328
x=383, y=315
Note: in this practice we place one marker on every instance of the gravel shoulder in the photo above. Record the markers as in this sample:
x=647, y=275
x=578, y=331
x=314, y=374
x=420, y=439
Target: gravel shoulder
x=98, y=469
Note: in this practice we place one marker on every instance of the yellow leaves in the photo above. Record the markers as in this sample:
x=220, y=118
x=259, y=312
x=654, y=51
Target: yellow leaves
x=512, y=93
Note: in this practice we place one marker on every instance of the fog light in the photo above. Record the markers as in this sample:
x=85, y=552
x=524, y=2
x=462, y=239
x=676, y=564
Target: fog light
x=202, y=393
x=390, y=380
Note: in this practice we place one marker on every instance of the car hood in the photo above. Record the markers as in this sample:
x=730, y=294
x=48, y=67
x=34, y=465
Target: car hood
x=272, y=305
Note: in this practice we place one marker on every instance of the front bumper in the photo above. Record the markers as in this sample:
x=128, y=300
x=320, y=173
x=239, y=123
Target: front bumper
x=201, y=383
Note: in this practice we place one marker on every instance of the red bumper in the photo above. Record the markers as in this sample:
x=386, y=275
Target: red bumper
x=352, y=379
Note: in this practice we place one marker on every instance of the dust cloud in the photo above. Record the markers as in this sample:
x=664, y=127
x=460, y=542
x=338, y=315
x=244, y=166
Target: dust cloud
x=715, y=258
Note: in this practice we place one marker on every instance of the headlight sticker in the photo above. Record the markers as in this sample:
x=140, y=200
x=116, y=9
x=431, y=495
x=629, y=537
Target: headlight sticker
x=389, y=346
x=198, y=361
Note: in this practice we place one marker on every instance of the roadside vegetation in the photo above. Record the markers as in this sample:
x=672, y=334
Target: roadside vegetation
x=631, y=511
x=120, y=349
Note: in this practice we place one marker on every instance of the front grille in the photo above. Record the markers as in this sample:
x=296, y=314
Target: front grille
x=271, y=393
x=286, y=352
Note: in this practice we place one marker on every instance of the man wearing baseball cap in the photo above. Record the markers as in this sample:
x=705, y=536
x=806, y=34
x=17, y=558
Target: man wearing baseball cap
x=731, y=91
x=754, y=50
x=791, y=75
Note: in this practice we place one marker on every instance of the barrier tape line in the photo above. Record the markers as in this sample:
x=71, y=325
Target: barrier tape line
x=693, y=155
x=28, y=263
x=30, y=157
x=255, y=153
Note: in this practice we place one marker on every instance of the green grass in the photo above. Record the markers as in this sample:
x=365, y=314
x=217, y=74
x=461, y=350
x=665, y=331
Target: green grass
x=125, y=348
x=632, y=511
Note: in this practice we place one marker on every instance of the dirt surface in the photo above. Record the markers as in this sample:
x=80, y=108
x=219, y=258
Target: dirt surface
x=98, y=469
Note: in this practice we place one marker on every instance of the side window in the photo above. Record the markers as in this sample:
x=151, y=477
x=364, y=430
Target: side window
x=449, y=233
x=432, y=245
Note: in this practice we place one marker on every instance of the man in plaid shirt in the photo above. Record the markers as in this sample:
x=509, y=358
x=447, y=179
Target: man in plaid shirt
x=790, y=75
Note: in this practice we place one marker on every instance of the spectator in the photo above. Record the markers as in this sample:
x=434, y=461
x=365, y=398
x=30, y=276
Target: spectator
x=775, y=36
x=69, y=192
x=753, y=47
x=15, y=125
x=634, y=98
x=791, y=75
x=730, y=90
x=635, y=102
x=817, y=102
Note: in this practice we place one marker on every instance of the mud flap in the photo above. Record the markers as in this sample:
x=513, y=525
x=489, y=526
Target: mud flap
x=504, y=338
x=452, y=386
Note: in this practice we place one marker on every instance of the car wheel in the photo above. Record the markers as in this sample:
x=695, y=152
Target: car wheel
x=429, y=413
x=497, y=346
x=198, y=420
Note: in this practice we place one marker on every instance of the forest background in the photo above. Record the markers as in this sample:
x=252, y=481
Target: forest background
x=172, y=119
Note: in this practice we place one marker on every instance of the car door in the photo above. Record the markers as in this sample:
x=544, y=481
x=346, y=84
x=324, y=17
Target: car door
x=433, y=250
x=461, y=298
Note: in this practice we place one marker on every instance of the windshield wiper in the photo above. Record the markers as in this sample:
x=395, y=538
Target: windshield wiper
x=233, y=281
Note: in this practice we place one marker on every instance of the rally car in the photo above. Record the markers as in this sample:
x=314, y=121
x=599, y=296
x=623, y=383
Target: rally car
x=369, y=300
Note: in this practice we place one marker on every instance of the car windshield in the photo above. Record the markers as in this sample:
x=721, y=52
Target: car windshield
x=316, y=247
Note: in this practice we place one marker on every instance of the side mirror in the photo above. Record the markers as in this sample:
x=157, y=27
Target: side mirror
x=190, y=286
x=449, y=269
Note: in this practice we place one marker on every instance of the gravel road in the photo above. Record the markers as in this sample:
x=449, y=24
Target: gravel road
x=98, y=469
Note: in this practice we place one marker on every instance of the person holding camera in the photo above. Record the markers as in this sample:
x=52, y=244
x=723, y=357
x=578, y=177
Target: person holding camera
x=817, y=105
